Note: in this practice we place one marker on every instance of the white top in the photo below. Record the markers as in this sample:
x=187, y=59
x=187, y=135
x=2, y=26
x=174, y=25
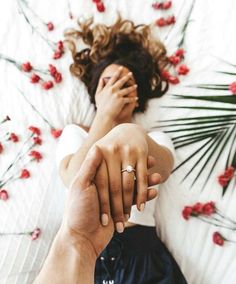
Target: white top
x=73, y=137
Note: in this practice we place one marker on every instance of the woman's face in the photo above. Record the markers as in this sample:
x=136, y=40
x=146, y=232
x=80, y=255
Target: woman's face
x=128, y=109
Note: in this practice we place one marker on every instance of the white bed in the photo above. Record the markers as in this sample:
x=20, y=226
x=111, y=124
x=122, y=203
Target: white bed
x=39, y=201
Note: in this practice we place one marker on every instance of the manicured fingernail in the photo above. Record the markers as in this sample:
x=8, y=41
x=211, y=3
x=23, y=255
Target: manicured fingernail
x=105, y=219
x=119, y=227
x=120, y=68
x=126, y=217
x=142, y=207
x=130, y=73
x=135, y=86
x=136, y=98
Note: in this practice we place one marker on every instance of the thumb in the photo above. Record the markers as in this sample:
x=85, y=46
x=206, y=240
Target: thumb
x=89, y=167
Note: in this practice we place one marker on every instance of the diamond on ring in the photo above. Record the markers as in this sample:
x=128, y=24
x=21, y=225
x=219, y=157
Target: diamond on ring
x=128, y=169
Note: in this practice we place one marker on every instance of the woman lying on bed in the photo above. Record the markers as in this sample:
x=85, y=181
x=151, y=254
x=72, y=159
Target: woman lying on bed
x=121, y=70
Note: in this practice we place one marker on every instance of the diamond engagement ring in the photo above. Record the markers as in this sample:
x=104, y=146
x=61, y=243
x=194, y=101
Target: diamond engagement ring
x=129, y=169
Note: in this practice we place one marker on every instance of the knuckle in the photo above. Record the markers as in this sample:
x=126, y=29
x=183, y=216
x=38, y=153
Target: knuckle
x=113, y=148
x=104, y=205
x=115, y=190
x=129, y=150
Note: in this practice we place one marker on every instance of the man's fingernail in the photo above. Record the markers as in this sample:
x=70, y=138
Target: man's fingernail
x=142, y=207
x=126, y=217
x=119, y=227
x=105, y=219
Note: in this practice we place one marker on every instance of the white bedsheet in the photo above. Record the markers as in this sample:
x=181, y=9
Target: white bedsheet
x=39, y=201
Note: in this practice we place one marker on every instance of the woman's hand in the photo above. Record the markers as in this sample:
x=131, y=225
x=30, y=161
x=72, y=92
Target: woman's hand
x=111, y=98
x=124, y=145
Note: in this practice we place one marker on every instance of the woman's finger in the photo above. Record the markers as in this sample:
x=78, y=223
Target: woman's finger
x=154, y=179
x=119, y=83
x=116, y=201
x=101, y=84
x=127, y=100
x=101, y=182
x=115, y=77
x=126, y=91
x=142, y=181
x=128, y=185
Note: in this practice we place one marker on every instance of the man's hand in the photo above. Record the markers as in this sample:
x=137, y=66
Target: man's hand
x=82, y=222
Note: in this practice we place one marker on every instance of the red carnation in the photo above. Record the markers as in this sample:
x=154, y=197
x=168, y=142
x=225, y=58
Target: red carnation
x=26, y=67
x=223, y=181
x=50, y=26
x=187, y=212
x=232, y=88
x=25, y=174
x=1, y=148
x=60, y=45
x=14, y=138
x=58, y=77
x=35, y=130
x=161, y=22
x=218, y=239
x=167, y=5
x=3, y=194
x=35, y=234
x=179, y=52
x=170, y=20
x=96, y=1
x=229, y=172
x=34, y=79
x=183, y=69
x=35, y=155
x=100, y=7
x=173, y=80
x=57, y=54
x=52, y=69
x=47, y=85
x=37, y=140
x=197, y=208
x=165, y=74
x=174, y=59
x=56, y=132
x=209, y=208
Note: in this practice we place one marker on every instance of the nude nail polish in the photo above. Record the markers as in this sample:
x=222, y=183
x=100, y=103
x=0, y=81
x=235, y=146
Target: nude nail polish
x=120, y=227
x=142, y=207
x=105, y=219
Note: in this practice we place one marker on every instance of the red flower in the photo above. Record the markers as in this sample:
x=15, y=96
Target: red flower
x=1, y=148
x=100, y=7
x=36, y=155
x=56, y=132
x=187, y=212
x=57, y=54
x=50, y=26
x=161, y=22
x=218, y=239
x=197, y=208
x=58, y=77
x=53, y=70
x=35, y=234
x=35, y=130
x=96, y=1
x=14, y=138
x=34, y=78
x=173, y=80
x=25, y=174
x=183, y=69
x=165, y=74
x=157, y=5
x=170, y=20
x=47, y=85
x=26, y=67
x=167, y=5
x=209, y=208
x=3, y=194
x=179, y=52
x=229, y=172
x=232, y=88
x=60, y=46
x=174, y=59
x=37, y=140
x=223, y=181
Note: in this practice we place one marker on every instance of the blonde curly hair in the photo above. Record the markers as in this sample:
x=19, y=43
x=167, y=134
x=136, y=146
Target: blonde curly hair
x=123, y=43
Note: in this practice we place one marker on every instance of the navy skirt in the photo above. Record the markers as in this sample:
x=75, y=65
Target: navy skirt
x=137, y=256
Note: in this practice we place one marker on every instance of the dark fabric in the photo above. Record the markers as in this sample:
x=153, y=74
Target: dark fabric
x=137, y=256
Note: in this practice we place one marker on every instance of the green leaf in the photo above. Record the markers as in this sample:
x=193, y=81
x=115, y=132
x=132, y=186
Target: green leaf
x=221, y=99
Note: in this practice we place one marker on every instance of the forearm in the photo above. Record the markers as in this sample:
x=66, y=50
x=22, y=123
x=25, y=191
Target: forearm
x=163, y=156
x=67, y=263
x=99, y=128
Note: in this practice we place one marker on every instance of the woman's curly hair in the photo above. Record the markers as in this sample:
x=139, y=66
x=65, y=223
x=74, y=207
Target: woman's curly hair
x=123, y=43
